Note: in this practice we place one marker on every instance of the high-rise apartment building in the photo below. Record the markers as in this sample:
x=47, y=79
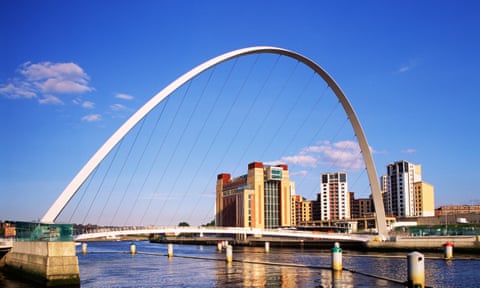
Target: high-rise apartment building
x=259, y=199
x=387, y=202
x=404, y=192
x=362, y=208
x=400, y=194
x=304, y=212
x=295, y=204
x=334, y=196
x=424, y=199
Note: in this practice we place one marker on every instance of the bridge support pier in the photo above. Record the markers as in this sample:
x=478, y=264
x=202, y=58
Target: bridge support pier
x=48, y=263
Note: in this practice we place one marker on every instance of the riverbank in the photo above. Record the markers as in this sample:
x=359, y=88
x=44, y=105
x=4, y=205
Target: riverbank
x=461, y=244
x=260, y=242
x=3, y=252
x=140, y=237
x=109, y=263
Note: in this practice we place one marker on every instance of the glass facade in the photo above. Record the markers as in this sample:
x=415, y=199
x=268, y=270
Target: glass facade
x=249, y=211
x=263, y=198
x=453, y=230
x=272, y=205
x=29, y=231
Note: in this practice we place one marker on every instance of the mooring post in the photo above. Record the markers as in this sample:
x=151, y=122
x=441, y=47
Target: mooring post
x=219, y=245
x=337, y=257
x=84, y=248
x=229, y=254
x=416, y=270
x=448, y=251
x=170, y=250
x=133, y=248
x=267, y=246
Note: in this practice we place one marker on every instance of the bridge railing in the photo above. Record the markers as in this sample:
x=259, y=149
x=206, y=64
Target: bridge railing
x=202, y=230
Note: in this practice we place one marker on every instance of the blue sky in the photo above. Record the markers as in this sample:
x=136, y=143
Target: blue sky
x=72, y=72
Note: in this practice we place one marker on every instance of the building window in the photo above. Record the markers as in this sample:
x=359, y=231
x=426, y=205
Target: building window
x=271, y=202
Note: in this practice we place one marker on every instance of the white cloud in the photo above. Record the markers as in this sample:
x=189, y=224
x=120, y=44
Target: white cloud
x=92, y=118
x=88, y=104
x=47, y=70
x=124, y=96
x=299, y=173
x=12, y=91
x=50, y=99
x=117, y=107
x=62, y=86
x=301, y=160
x=47, y=81
x=57, y=78
x=404, y=69
x=344, y=155
x=407, y=67
x=409, y=151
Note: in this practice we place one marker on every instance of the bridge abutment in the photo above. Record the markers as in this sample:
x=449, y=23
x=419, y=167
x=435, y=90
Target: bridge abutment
x=48, y=263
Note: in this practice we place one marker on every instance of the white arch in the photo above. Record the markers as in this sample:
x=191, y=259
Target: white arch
x=78, y=180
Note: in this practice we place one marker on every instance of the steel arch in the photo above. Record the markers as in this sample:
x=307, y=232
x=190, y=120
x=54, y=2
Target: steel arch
x=57, y=207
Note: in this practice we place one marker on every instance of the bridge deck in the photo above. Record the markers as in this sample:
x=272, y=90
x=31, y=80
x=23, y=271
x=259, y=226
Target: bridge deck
x=295, y=234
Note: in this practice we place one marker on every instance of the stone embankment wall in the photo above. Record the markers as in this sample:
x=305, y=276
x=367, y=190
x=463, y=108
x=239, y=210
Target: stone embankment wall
x=428, y=242
x=50, y=263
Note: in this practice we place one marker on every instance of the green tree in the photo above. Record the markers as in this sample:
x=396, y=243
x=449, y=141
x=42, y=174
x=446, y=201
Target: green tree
x=183, y=224
x=211, y=223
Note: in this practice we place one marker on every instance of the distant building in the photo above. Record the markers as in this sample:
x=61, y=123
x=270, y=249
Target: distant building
x=351, y=197
x=334, y=196
x=387, y=203
x=317, y=209
x=424, y=199
x=259, y=199
x=304, y=211
x=404, y=193
x=362, y=207
x=457, y=210
x=301, y=211
x=400, y=188
x=296, y=199
x=8, y=229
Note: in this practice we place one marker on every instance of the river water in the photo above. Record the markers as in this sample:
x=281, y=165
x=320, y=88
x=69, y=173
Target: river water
x=109, y=264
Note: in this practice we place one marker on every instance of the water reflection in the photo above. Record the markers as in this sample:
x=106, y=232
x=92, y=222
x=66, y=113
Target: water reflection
x=109, y=264
x=240, y=274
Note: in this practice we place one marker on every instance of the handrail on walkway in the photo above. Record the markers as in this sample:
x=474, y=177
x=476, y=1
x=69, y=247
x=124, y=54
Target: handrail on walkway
x=176, y=230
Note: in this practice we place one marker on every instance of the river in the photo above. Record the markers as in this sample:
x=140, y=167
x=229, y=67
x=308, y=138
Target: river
x=109, y=264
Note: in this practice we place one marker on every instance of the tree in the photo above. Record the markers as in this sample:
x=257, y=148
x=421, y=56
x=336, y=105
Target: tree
x=183, y=224
x=211, y=223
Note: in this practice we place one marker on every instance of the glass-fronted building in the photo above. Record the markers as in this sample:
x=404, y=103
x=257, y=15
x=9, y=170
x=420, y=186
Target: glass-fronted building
x=259, y=199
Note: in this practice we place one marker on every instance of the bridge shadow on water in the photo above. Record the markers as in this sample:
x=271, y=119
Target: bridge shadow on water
x=108, y=264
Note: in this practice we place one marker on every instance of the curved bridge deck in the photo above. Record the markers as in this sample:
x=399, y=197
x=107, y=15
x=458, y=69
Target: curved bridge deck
x=296, y=234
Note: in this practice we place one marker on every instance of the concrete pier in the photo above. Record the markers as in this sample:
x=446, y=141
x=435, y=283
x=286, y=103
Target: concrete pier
x=48, y=263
